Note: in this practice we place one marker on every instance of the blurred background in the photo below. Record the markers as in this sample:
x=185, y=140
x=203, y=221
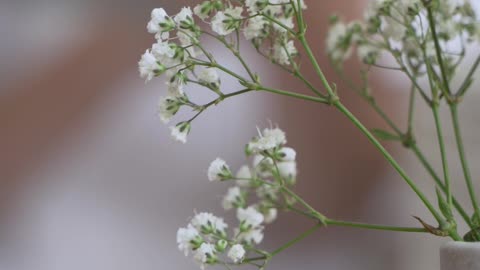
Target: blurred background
x=90, y=179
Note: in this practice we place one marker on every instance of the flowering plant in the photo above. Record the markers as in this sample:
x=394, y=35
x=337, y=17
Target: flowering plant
x=419, y=36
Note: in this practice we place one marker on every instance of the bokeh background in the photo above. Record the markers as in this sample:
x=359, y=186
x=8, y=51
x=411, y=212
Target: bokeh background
x=89, y=178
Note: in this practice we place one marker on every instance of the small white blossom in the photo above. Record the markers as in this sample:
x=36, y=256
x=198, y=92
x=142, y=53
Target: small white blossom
x=186, y=237
x=282, y=53
x=367, y=53
x=267, y=140
x=148, y=66
x=270, y=215
x=287, y=170
x=219, y=170
x=160, y=24
x=180, y=132
x=167, y=107
x=205, y=254
x=225, y=22
x=233, y=198
x=208, y=223
x=251, y=236
x=201, y=11
x=236, y=253
x=286, y=22
x=209, y=76
x=255, y=27
x=287, y=154
x=184, y=17
x=249, y=217
x=338, y=47
x=244, y=174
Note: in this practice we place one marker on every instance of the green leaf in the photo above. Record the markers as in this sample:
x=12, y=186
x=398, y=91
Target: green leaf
x=444, y=207
x=385, y=135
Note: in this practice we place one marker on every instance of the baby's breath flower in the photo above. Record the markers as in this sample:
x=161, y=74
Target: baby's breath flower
x=244, y=174
x=207, y=223
x=227, y=21
x=267, y=140
x=167, y=107
x=286, y=154
x=184, y=18
x=254, y=6
x=160, y=24
x=288, y=170
x=255, y=28
x=221, y=245
x=219, y=171
x=338, y=43
x=253, y=236
x=188, y=238
x=287, y=23
x=149, y=67
x=236, y=253
x=205, y=254
x=180, y=131
x=283, y=52
x=210, y=77
x=233, y=198
x=249, y=218
x=368, y=53
x=270, y=215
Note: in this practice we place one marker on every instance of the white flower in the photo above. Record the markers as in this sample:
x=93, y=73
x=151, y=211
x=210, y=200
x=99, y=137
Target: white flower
x=286, y=22
x=184, y=17
x=254, y=6
x=244, y=174
x=208, y=223
x=209, y=76
x=287, y=170
x=160, y=24
x=163, y=49
x=225, y=22
x=262, y=165
x=251, y=236
x=148, y=66
x=394, y=29
x=202, y=10
x=180, y=131
x=338, y=47
x=255, y=27
x=185, y=238
x=233, y=198
x=287, y=154
x=270, y=215
x=367, y=53
x=236, y=253
x=219, y=170
x=282, y=53
x=267, y=140
x=167, y=107
x=249, y=218
x=267, y=192
x=205, y=254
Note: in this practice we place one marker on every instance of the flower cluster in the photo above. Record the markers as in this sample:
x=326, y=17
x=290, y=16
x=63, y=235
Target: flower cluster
x=402, y=29
x=273, y=166
x=180, y=57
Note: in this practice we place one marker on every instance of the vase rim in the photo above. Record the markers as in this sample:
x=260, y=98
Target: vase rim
x=458, y=244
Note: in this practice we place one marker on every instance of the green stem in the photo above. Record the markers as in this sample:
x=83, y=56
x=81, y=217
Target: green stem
x=314, y=213
x=446, y=89
x=443, y=153
x=468, y=80
x=423, y=160
x=292, y=94
x=463, y=159
x=315, y=64
x=375, y=226
x=296, y=239
x=390, y=159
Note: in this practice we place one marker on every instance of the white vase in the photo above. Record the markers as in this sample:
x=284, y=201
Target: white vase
x=460, y=256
